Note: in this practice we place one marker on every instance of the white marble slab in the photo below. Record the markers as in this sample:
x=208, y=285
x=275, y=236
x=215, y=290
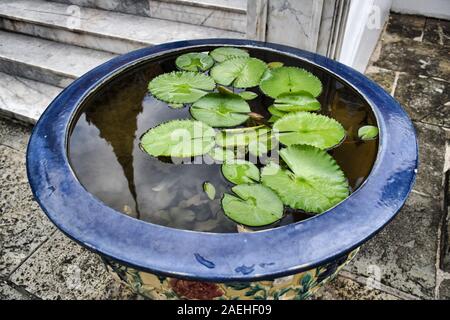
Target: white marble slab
x=23, y=99
x=98, y=29
x=222, y=14
x=46, y=61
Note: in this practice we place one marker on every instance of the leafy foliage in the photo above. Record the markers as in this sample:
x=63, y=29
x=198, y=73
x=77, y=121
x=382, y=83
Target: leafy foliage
x=314, y=182
x=297, y=101
x=240, y=172
x=194, y=61
x=222, y=154
x=180, y=86
x=224, y=53
x=367, y=132
x=239, y=72
x=210, y=190
x=289, y=80
x=241, y=136
x=221, y=110
x=309, y=128
x=254, y=205
x=178, y=138
x=247, y=95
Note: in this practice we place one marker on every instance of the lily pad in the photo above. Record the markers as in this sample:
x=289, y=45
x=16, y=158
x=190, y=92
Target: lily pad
x=275, y=64
x=309, y=128
x=289, y=80
x=239, y=72
x=240, y=172
x=222, y=154
x=194, y=61
x=181, y=86
x=221, y=110
x=224, y=53
x=240, y=137
x=247, y=95
x=254, y=205
x=297, y=101
x=210, y=190
x=367, y=132
x=178, y=138
x=314, y=182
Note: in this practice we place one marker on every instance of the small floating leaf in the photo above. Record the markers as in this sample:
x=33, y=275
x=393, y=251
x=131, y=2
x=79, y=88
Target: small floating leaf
x=210, y=190
x=289, y=79
x=176, y=105
x=297, y=101
x=180, y=86
x=240, y=172
x=239, y=72
x=248, y=95
x=309, y=128
x=221, y=154
x=224, y=53
x=254, y=205
x=221, y=110
x=224, y=90
x=194, y=61
x=275, y=64
x=178, y=138
x=315, y=184
x=368, y=132
x=240, y=136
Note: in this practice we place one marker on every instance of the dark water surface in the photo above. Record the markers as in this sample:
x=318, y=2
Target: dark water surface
x=106, y=158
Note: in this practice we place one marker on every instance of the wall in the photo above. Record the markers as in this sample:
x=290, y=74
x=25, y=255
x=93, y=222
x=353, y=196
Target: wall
x=429, y=8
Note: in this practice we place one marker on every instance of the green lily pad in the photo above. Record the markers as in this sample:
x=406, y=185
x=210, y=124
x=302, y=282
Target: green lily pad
x=240, y=137
x=314, y=182
x=254, y=205
x=221, y=110
x=181, y=86
x=239, y=72
x=210, y=190
x=194, y=61
x=222, y=154
x=297, y=101
x=240, y=172
x=224, y=53
x=275, y=64
x=247, y=95
x=309, y=128
x=367, y=132
x=259, y=148
x=178, y=138
x=288, y=80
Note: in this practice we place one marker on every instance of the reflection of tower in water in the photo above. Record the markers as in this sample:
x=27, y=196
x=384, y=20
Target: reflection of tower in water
x=117, y=122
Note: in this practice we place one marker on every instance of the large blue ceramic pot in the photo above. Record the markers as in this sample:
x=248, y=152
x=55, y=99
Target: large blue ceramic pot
x=160, y=262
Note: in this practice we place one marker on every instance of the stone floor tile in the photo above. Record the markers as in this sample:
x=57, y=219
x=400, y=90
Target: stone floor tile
x=12, y=166
x=385, y=78
x=424, y=98
x=415, y=57
x=406, y=26
x=14, y=135
x=61, y=269
x=343, y=288
x=9, y=293
x=403, y=255
x=431, y=141
x=444, y=290
x=437, y=32
x=23, y=226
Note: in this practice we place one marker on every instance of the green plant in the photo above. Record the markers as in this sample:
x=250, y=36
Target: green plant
x=307, y=177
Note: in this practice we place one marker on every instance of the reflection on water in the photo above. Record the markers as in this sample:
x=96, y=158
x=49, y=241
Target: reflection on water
x=105, y=153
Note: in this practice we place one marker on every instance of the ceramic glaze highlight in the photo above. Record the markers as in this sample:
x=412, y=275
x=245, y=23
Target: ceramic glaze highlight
x=294, y=250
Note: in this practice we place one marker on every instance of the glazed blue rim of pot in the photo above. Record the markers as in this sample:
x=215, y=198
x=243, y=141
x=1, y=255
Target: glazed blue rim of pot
x=227, y=256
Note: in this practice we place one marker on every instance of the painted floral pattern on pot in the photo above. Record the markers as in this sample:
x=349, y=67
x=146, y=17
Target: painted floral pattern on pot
x=294, y=287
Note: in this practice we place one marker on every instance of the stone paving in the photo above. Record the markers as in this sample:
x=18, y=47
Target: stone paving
x=409, y=259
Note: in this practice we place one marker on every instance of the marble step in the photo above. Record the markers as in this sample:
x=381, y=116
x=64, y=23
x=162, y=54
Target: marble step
x=222, y=14
x=23, y=99
x=46, y=61
x=97, y=29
